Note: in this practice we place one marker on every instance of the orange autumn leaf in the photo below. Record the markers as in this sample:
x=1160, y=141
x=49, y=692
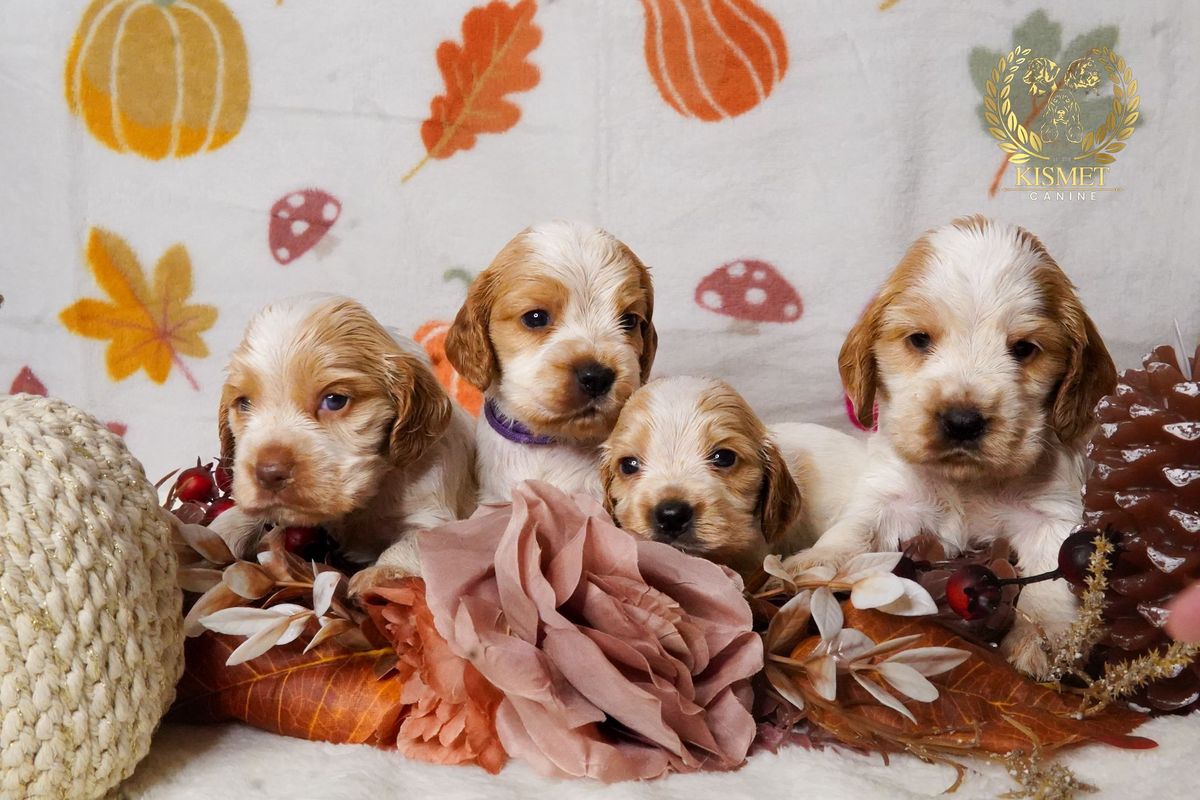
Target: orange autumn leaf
x=984, y=706
x=491, y=62
x=149, y=325
x=329, y=693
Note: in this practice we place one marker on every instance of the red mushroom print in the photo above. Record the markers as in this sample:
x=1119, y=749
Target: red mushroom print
x=751, y=292
x=298, y=221
x=28, y=383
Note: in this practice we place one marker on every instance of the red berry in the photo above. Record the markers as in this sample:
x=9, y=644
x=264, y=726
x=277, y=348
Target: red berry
x=973, y=592
x=296, y=539
x=224, y=477
x=311, y=544
x=1075, y=556
x=195, y=485
x=217, y=508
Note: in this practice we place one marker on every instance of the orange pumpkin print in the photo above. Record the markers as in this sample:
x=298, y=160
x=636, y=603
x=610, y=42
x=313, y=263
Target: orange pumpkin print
x=432, y=337
x=713, y=59
x=161, y=78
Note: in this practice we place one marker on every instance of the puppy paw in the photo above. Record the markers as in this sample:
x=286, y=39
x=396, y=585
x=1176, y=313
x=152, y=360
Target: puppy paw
x=1024, y=647
x=367, y=579
x=818, y=556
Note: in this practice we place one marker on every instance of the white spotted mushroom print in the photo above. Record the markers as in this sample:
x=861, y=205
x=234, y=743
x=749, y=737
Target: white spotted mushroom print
x=298, y=221
x=750, y=292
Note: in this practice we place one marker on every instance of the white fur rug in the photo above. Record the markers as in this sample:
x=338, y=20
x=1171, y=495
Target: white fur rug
x=235, y=761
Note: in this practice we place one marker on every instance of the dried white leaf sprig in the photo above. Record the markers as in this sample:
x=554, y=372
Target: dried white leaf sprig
x=265, y=599
x=846, y=651
x=268, y=627
x=868, y=578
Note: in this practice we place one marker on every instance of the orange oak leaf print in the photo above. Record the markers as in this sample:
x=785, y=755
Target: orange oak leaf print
x=491, y=63
x=713, y=59
x=149, y=325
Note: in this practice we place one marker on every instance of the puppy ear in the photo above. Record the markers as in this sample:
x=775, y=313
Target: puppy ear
x=423, y=409
x=224, y=431
x=468, y=344
x=856, y=363
x=607, y=476
x=1089, y=376
x=779, y=500
x=649, y=334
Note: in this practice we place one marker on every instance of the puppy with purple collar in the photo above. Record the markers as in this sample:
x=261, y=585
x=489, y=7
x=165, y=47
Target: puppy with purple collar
x=557, y=333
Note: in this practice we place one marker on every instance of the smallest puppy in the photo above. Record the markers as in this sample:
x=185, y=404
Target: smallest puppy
x=327, y=419
x=690, y=464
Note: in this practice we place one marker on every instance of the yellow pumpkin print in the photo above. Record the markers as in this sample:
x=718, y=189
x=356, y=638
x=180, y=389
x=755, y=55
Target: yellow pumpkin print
x=160, y=78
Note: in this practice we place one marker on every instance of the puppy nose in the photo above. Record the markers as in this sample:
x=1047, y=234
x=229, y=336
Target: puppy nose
x=672, y=518
x=962, y=424
x=273, y=470
x=595, y=379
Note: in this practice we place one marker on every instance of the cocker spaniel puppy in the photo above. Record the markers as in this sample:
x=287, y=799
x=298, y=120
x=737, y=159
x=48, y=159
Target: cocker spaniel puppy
x=557, y=332
x=985, y=369
x=690, y=464
x=327, y=419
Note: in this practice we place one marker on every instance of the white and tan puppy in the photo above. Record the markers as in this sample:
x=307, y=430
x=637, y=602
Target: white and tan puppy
x=328, y=419
x=689, y=463
x=557, y=332
x=986, y=369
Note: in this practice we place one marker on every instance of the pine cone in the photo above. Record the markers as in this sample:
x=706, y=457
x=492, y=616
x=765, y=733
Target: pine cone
x=1146, y=489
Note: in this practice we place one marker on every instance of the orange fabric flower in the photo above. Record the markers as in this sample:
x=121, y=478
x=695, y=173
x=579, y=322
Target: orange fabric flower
x=448, y=708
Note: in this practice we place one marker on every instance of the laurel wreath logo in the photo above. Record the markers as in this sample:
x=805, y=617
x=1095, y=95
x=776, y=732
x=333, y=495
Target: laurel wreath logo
x=1019, y=142
x=1024, y=145
x=1110, y=137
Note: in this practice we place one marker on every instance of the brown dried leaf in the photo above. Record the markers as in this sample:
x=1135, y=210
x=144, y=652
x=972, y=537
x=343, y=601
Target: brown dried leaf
x=198, y=579
x=248, y=580
x=215, y=599
x=205, y=542
x=328, y=693
x=984, y=706
x=330, y=629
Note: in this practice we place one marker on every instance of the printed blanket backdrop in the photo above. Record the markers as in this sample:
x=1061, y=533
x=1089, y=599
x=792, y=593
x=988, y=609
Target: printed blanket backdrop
x=170, y=166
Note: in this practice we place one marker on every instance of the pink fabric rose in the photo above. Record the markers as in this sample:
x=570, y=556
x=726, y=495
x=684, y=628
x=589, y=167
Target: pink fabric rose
x=618, y=658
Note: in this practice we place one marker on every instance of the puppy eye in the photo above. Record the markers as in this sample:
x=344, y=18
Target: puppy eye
x=723, y=458
x=334, y=402
x=920, y=341
x=243, y=404
x=628, y=322
x=629, y=465
x=537, y=318
x=1023, y=350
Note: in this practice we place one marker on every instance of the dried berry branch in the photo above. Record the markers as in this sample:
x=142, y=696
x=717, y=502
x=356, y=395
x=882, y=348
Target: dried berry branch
x=1123, y=678
x=1071, y=649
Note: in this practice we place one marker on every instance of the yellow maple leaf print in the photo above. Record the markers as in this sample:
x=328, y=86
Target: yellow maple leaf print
x=149, y=326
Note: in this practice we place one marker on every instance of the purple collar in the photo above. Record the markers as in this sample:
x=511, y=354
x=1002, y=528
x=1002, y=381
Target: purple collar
x=511, y=429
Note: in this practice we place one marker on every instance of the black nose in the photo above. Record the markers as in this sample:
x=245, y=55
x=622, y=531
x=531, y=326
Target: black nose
x=595, y=379
x=962, y=424
x=672, y=518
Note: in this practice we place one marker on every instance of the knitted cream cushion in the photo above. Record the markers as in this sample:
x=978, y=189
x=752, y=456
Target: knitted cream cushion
x=91, y=643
